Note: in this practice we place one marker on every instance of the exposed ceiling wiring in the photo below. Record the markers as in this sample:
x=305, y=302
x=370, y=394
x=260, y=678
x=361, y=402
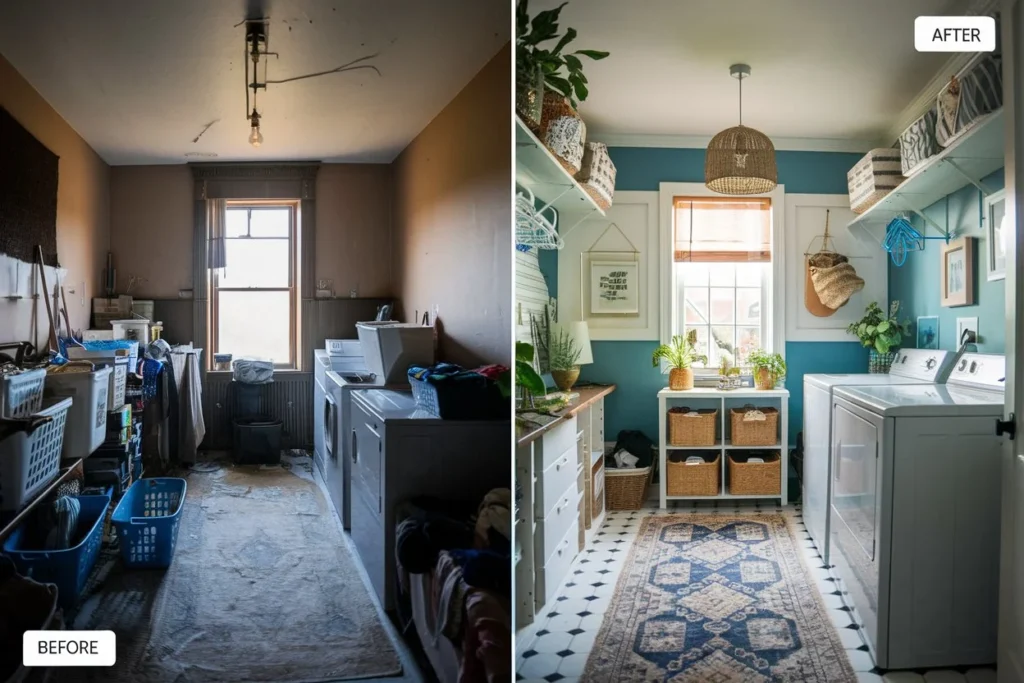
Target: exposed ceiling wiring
x=350, y=66
x=205, y=128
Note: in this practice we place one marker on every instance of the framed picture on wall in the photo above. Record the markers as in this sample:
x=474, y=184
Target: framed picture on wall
x=928, y=332
x=958, y=272
x=995, y=236
x=614, y=287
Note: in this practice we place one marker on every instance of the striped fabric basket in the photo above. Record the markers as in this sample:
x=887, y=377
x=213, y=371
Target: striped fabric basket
x=918, y=142
x=874, y=176
x=967, y=98
x=598, y=174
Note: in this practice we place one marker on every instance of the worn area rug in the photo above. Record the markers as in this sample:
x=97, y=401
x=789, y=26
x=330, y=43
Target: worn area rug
x=262, y=588
x=716, y=597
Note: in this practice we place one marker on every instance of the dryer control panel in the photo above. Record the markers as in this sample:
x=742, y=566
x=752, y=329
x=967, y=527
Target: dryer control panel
x=982, y=370
x=926, y=365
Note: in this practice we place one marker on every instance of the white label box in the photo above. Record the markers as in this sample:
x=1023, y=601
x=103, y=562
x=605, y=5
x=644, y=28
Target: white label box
x=69, y=648
x=955, y=34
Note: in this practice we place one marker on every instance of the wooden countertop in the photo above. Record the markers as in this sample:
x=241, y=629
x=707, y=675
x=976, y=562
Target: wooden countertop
x=539, y=423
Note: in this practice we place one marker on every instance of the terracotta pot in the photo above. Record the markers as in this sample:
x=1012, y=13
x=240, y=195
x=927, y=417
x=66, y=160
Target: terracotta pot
x=564, y=379
x=680, y=379
x=764, y=380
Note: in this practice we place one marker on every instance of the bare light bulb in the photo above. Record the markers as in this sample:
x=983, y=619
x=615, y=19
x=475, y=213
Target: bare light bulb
x=255, y=137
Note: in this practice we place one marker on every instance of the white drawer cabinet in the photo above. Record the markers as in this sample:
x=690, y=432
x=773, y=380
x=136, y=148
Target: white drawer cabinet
x=552, y=527
x=553, y=482
x=554, y=571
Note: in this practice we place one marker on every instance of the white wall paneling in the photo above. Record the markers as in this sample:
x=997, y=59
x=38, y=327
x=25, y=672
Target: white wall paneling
x=636, y=215
x=805, y=220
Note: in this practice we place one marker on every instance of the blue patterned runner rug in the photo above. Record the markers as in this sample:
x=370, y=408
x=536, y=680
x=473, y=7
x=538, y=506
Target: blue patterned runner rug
x=719, y=598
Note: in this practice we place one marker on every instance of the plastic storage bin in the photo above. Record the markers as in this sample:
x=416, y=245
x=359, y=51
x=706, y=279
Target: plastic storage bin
x=132, y=330
x=21, y=394
x=392, y=348
x=68, y=569
x=87, y=419
x=147, y=521
x=28, y=463
x=257, y=441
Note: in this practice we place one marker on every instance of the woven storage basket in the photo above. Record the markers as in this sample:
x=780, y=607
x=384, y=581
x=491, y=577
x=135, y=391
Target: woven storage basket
x=626, y=489
x=755, y=478
x=754, y=431
x=694, y=480
x=597, y=174
x=874, y=176
x=692, y=427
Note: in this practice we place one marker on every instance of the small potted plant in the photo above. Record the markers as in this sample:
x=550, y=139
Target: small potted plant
x=679, y=355
x=546, y=68
x=563, y=354
x=881, y=334
x=728, y=374
x=769, y=368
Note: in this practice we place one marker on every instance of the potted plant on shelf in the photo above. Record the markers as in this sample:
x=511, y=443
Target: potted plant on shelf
x=563, y=354
x=680, y=355
x=769, y=368
x=881, y=334
x=539, y=68
x=528, y=382
x=728, y=374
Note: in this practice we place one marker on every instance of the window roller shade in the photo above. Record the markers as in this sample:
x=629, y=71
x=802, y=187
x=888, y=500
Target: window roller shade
x=726, y=230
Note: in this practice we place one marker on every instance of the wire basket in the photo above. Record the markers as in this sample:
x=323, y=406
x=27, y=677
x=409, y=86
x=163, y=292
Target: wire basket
x=29, y=462
x=626, y=489
x=21, y=394
x=702, y=479
x=691, y=427
x=147, y=521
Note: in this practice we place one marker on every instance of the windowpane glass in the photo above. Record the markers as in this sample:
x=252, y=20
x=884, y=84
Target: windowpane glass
x=722, y=274
x=269, y=222
x=702, y=340
x=749, y=274
x=722, y=344
x=255, y=263
x=697, y=306
x=696, y=274
x=236, y=224
x=723, y=303
x=255, y=324
x=748, y=306
x=748, y=339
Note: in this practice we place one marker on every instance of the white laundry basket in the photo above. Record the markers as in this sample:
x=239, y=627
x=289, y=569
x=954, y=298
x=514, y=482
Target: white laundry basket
x=29, y=462
x=87, y=419
x=21, y=394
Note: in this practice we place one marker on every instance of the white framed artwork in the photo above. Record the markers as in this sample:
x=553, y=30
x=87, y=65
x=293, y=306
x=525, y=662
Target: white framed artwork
x=995, y=236
x=614, y=287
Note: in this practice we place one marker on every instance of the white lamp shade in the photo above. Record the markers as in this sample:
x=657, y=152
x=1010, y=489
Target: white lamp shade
x=580, y=333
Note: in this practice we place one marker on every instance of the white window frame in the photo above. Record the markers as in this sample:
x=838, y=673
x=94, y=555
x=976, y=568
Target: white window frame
x=775, y=286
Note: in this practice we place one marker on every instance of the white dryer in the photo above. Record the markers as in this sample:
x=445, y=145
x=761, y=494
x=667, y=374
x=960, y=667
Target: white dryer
x=911, y=366
x=915, y=514
x=341, y=355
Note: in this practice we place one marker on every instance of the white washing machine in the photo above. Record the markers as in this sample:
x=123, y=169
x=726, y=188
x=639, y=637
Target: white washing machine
x=341, y=355
x=911, y=366
x=915, y=514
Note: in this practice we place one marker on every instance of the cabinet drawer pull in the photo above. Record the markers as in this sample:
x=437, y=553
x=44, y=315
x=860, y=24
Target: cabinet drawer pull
x=561, y=461
x=563, y=506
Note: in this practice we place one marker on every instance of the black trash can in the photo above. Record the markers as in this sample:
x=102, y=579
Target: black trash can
x=247, y=398
x=257, y=441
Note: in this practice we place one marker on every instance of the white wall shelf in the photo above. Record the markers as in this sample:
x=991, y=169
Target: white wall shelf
x=538, y=170
x=967, y=161
x=722, y=400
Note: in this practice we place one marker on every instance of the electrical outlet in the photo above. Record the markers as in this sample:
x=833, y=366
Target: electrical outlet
x=969, y=325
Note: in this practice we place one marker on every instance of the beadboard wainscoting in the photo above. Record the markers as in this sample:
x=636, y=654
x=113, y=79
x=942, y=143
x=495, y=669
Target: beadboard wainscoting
x=288, y=398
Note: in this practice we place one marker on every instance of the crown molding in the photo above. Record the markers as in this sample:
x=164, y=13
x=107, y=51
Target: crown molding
x=701, y=142
x=956, y=63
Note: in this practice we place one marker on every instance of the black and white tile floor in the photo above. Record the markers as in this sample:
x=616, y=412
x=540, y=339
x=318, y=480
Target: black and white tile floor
x=556, y=646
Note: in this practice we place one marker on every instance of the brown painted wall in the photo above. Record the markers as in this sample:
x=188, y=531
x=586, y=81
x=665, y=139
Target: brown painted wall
x=151, y=228
x=451, y=220
x=83, y=208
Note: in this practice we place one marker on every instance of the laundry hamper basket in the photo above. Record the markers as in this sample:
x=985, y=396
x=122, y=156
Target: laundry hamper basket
x=69, y=569
x=29, y=462
x=692, y=427
x=702, y=479
x=626, y=488
x=147, y=521
x=754, y=426
x=755, y=478
x=21, y=393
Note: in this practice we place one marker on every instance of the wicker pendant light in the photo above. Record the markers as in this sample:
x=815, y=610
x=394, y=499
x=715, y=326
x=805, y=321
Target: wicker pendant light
x=740, y=160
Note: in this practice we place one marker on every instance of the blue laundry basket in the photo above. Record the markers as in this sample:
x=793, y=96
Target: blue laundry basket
x=147, y=521
x=67, y=569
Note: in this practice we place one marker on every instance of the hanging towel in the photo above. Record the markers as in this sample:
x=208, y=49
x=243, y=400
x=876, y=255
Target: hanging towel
x=191, y=427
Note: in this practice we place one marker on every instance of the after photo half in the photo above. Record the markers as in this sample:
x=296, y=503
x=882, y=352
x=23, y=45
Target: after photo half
x=255, y=341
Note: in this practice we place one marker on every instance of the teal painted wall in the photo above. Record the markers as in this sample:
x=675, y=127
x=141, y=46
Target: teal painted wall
x=917, y=283
x=634, y=404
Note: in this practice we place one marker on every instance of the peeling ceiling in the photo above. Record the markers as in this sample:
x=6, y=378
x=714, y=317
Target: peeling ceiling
x=148, y=82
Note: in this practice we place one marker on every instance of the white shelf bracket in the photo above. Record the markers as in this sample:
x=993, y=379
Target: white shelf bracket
x=985, y=189
x=567, y=188
x=582, y=218
x=867, y=232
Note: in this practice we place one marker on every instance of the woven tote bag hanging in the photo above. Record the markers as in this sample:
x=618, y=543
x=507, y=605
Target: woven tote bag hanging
x=834, y=279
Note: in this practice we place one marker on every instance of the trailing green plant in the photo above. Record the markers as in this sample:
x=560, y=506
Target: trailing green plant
x=680, y=353
x=563, y=352
x=772, y=363
x=563, y=72
x=879, y=332
x=527, y=378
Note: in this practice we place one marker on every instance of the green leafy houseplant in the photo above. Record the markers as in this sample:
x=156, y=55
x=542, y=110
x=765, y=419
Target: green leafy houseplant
x=769, y=368
x=556, y=69
x=880, y=333
x=680, y=354
x=563, y=355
